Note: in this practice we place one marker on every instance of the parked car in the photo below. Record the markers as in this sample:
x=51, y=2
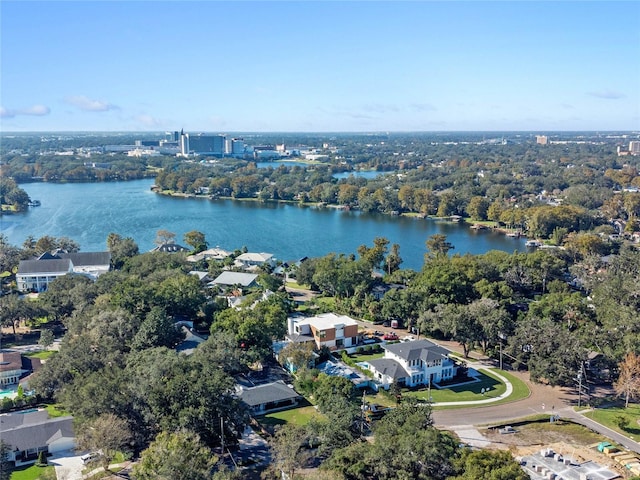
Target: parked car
x=390, y=336
x=90, y=457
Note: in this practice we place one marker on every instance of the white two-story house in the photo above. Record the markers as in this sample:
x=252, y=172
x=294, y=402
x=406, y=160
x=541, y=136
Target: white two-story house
x=413, y=364
x=35, y=275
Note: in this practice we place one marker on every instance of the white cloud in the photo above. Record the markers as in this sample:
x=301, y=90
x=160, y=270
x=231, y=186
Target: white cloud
x=89, y=105
x=34, y=110
x=607, y=94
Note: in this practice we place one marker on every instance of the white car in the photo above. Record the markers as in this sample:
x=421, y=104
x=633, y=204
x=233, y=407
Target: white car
x=90, y=457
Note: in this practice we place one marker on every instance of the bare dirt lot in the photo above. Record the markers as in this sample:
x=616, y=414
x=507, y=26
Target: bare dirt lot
x=564, y=437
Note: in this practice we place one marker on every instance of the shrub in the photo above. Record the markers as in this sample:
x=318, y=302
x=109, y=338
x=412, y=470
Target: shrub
x=42, y=460
x=621, y=421
x=7, y=404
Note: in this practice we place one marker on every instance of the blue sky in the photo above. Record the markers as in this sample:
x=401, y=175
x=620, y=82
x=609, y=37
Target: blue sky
x=319, y=66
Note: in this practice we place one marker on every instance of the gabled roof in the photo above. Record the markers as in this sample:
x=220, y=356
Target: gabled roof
x=418, y=349
x=201, y=275
x=389, y=367
x=254, y=257
x=50, y=266
x=10, y=360
x=85, y=259
x=267, y=393
x=235, y=278
x=34, y=430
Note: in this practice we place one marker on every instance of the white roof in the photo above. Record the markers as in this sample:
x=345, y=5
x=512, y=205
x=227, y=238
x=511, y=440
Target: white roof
x=327, y=320
x=255, y=257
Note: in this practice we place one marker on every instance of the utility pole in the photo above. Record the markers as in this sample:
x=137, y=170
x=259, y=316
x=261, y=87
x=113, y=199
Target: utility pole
x=579, y=389
x=502, y=337
x=362, y=413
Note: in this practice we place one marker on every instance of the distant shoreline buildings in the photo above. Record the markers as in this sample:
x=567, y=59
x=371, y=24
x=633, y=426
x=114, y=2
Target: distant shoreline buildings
x=183, y=144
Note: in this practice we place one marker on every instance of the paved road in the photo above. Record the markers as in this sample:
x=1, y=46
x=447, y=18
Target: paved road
x=542, y=399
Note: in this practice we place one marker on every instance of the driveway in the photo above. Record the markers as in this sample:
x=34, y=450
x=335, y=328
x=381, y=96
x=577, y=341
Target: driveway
x=68, y=465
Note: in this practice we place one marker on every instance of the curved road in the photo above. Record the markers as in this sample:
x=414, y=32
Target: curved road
x=542, y=399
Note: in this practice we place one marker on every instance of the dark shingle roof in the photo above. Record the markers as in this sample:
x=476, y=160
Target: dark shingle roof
x=44, y=266
x=10, y=360
x=270, y=392
x=83, y=259
x=33, y=429
x=418, y=349
x=389, y=367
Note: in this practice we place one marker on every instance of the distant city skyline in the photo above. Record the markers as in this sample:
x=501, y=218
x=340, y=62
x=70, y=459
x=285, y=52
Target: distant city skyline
x=216, y=66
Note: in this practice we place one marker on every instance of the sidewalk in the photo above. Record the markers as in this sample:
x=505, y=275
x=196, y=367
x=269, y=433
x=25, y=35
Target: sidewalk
x=506, y=394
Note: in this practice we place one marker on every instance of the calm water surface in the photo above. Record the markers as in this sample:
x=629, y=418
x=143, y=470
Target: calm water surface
x=88, y=212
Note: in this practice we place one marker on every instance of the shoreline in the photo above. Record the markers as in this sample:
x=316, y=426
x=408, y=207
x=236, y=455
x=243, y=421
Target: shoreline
x=465, y=221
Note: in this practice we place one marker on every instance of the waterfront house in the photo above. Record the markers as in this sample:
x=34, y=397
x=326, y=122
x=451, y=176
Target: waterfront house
x=211, y=254
x=35, y=275
x=413, y=364
x=170, y=248
x=30, y=432
x=251, y=261
x=328, y=330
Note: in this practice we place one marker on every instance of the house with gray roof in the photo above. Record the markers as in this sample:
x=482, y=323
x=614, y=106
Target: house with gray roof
x=30, y=432
x=36, y=275
x=234, y=279
x=269, y=397
x=412, y=364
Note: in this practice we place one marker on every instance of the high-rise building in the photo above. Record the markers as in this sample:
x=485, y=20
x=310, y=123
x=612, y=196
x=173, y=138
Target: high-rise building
x=634, y=147
x=172, y=136
x=202, y=144
x=184, y=144
x=237, y=146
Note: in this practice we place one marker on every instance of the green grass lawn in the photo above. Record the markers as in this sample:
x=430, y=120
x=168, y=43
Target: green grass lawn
x=32, y=473
x=42, y=354
x=606, y=416
x=57, y=410
x=365, y=357
x=463, y=393
x=295, y=416
x=328, y=302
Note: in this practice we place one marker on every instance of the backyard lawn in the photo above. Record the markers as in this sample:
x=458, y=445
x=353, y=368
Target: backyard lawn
x=32, y=473
x=607, y=417
x=295, y=416
x=365, y=357
x=57, y=410
x=42, y=354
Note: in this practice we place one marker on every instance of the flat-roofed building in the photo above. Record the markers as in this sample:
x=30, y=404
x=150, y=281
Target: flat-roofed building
x=328, y=330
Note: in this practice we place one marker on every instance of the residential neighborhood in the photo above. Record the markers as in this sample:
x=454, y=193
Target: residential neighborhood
x=308, y=354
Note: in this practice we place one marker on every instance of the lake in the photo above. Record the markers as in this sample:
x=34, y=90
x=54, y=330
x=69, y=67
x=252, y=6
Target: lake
x=88, y=212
